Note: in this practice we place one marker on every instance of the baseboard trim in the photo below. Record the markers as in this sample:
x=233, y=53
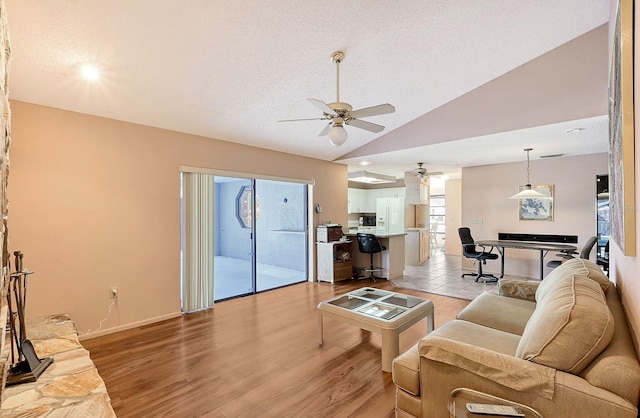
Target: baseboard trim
x=129, y=326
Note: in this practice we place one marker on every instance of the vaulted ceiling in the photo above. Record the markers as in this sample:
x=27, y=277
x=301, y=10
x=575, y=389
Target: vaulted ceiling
x=472, y=82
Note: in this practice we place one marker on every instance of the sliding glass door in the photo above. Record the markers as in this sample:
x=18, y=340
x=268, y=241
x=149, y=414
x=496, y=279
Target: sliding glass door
x=280, y=233
x=240, y=236
x=233, y=244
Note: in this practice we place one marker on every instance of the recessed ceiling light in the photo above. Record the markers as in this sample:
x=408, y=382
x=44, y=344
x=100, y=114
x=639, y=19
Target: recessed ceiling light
x=90, y=72
x=365, y=163
x=574, y=130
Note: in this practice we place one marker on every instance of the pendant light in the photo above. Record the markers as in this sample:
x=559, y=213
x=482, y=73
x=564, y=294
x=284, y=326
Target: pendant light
x=528, y=192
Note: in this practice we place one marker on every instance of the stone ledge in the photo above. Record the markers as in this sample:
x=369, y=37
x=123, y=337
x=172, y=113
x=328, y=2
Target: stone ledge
x=71, y=386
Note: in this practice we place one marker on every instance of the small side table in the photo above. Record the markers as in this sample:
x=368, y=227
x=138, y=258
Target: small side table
x=458, y=404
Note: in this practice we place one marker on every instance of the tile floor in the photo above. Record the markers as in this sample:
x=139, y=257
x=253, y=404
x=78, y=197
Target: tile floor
x=441, y=274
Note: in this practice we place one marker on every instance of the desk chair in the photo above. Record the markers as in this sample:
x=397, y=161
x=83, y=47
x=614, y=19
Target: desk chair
x=469, y=250
x=584, y=253
x=603, y=261
x=370, y=244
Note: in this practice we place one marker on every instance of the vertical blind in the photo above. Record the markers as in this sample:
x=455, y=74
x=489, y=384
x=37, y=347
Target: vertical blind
x=198, y=241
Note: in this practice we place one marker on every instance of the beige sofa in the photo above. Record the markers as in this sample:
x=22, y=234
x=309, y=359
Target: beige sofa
x=560, y=346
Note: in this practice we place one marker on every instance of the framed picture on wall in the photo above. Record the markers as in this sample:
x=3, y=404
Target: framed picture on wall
x=537, y=208
x=621, y=132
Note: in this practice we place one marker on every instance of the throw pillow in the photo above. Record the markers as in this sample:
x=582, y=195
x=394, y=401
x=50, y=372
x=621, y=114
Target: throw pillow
x=573, y=266
x=569, y=327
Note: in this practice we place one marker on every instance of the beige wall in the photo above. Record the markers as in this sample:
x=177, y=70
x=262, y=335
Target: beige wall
x=94, y=203
x=485, y=192
x=625, y=271
x=453, y=208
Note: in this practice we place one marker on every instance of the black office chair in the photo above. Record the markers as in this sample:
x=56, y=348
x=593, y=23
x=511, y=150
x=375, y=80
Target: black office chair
x=370, y=244
x=469, y=250
x=603, y=261
x=584, y=253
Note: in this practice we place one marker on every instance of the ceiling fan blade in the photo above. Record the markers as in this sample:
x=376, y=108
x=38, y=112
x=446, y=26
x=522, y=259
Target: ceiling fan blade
x=297, y=120
x=367, y=126
x=427, y=173
x=322, y=106
x=373, y=111
x=325, y=131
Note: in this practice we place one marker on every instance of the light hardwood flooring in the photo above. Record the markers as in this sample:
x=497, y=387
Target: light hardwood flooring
x=256, y=356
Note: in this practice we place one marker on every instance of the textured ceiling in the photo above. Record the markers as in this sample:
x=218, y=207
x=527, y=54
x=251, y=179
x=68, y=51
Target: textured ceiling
x=231, y=69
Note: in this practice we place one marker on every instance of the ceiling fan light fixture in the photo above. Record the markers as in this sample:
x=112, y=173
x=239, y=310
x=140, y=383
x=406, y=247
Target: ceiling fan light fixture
x=337, y=135
x=341, y=113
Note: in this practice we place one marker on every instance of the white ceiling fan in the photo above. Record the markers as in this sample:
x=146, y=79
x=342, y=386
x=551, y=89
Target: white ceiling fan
x=422, y=172
x=340, y=113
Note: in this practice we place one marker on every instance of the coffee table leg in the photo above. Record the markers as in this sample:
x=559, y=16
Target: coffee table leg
x=430, y=320
x=320, y=328
x=390, y=348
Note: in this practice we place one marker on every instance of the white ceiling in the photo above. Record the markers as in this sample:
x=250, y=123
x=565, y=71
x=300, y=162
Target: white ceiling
x=473, y=82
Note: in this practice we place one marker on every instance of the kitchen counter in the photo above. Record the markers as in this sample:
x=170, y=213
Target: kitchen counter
x=391, y=260
x=377, y=234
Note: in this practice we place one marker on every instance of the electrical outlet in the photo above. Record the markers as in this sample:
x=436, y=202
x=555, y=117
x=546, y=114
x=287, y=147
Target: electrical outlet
x=114, y=292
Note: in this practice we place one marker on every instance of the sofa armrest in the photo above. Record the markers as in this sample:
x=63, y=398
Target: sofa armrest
x=506, y=370
x=520, y=289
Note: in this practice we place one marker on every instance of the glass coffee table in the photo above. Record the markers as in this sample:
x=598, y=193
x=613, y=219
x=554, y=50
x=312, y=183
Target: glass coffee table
x=380, y=311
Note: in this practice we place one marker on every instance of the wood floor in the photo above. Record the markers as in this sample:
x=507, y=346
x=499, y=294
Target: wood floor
x=256, y=356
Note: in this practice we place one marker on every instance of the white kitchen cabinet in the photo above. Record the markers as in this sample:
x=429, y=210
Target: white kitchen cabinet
x=416, y=246
x=393, y=192
x=372, y=197
x=357, y=200
x=364, y=201
x=417, y=190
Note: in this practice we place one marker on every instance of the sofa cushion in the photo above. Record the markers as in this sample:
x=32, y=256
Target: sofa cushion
x=573, y=266
x=477, y=335
x=406, y=367
x=499, y=312
x=570, y=326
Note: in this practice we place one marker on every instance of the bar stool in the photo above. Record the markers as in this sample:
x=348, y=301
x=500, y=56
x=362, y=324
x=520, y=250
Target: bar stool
x=370, y=244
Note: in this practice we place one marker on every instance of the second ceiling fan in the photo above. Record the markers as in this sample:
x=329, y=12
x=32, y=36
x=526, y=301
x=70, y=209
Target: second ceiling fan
x=422, y=172
x=340, y=113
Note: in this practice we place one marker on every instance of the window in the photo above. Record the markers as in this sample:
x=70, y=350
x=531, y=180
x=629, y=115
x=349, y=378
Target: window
x=436, y=213
x=244, y=210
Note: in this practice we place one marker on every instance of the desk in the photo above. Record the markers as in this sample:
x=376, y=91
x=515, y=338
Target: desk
x=543, y=247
